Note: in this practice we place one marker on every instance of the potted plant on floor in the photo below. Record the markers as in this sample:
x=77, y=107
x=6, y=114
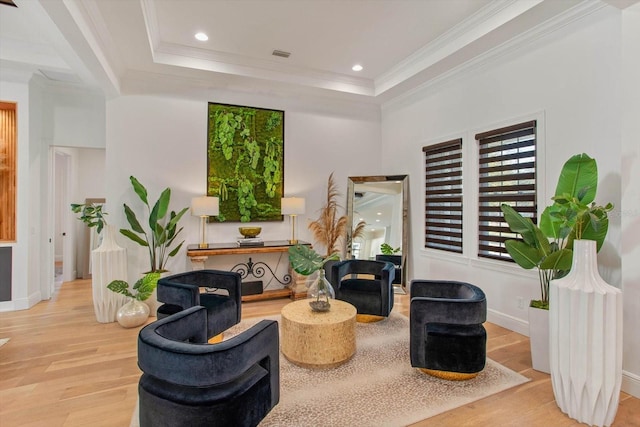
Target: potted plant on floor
x=135, y=312
x=109, y=262
x=160, y=237
x=548, y=247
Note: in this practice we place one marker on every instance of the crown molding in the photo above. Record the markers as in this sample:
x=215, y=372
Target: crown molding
x=513, y=45
x=476, y=26
x=222, y=62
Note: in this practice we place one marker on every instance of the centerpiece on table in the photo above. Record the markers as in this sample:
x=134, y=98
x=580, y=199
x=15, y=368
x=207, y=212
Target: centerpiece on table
x=304, y=260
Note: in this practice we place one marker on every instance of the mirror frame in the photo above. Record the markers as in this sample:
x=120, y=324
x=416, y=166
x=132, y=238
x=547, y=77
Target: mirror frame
x=353, y=180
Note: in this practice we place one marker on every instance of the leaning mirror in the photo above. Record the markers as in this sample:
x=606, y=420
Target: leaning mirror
x=380, y=202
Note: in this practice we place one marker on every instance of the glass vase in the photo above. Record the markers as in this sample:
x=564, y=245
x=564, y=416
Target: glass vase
x=320, y=293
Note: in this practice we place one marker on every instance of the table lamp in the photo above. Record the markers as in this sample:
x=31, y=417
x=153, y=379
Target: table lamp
x=204, y=207
x=292, y=206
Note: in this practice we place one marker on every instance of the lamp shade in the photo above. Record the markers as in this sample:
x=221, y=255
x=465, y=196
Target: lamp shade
x=205, y=206
x=292, y=205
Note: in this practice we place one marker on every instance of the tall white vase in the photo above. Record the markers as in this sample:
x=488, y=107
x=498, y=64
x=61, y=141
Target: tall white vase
x=585, y=325
x=109, y=262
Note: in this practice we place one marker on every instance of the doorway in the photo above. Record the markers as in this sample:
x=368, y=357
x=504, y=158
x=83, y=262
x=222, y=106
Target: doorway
x=63, y=259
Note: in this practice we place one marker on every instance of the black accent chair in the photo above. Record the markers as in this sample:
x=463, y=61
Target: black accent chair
x=187, y=382
x=447, y=337
x=396, y=260
x=222, y=299
x=370, y=296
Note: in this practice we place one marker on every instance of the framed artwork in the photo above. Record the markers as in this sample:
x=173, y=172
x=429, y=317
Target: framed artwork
x=245, y=161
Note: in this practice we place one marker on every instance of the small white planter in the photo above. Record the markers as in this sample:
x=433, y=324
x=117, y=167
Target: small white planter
x=132, y=314
x=539, y=339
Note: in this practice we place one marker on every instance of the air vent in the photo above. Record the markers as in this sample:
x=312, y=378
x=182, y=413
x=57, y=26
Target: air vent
x=281, y=53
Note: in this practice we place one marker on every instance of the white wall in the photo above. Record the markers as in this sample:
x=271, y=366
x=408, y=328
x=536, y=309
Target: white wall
x=23, y=290
x=161, y=140
x=73, y=116
x=568, y=82
x=630, y=207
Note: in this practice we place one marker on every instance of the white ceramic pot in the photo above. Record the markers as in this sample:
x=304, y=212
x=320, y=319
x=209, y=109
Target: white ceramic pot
x=539, y=339
x=585, y=326
x=132, y=314
x=108, y=263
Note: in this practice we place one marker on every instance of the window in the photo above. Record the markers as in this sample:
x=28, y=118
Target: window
x=8, y=148
x=507, y=174
x=443, y=196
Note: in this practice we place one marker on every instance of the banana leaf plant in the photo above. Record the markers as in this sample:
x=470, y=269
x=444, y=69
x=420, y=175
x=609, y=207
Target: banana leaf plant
x=306, y=261
x=163, y=229
x=573, y=215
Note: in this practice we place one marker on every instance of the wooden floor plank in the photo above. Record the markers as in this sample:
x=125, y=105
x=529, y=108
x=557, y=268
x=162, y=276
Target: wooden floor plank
x=62, y=368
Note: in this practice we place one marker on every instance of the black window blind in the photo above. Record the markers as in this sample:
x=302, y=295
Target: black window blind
x=443, y=196
x=507, y=174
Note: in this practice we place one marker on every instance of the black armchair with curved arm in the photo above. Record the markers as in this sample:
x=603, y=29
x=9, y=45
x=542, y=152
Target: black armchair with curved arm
x=371, y=296
x=447, y=338
x=222, y=300
x=187, y=382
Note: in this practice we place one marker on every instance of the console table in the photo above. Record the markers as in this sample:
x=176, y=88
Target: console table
x=295, y=284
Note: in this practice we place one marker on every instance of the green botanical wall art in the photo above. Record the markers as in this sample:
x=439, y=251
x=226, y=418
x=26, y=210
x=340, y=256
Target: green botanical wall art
x=245, y=161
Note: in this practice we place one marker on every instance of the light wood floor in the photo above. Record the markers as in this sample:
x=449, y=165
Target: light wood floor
x=62, y=368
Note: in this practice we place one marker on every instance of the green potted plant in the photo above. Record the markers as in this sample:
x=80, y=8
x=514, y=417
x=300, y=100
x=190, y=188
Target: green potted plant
x=135, y=312
x=91, y=214
x=387, y=249
x=109, y=262
x=306, y=261
x=548, y=247
x=163, y=229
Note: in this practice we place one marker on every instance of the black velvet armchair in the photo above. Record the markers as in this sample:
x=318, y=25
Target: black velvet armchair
x=372, y=297
x=396, y=260
x=447, y=337
x=187, y=382
x=222, y=299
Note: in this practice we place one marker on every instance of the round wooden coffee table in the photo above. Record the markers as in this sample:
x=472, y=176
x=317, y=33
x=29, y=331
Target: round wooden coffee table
x=318, y=340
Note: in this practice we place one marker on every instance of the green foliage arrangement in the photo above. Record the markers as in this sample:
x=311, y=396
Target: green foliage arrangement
x=306, y=261
x=90, y=214
x=144, y=287
x=245, y=160
x=163, y=229
x=387, y=249
x=573, y=215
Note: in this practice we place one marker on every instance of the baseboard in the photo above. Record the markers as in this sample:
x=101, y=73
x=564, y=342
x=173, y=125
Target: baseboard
x=630, y=381
x=512, y=323
x=22, y=303
x=631, y=384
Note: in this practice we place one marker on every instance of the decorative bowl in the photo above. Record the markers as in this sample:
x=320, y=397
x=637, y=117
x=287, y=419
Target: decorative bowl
x=249, y=232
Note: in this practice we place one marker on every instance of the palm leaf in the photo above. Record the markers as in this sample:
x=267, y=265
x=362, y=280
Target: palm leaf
x=140, y=190
x=579, y=178
x=524, y=255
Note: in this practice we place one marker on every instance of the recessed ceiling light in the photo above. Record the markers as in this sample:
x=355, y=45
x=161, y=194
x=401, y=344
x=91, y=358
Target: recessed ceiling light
x=357, y=67
x=202, y=37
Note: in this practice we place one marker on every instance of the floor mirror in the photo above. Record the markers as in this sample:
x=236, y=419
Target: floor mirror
x=380, y=204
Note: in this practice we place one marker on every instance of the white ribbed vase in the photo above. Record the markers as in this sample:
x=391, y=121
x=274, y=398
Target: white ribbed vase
x=109, y=262
x=585, y=326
